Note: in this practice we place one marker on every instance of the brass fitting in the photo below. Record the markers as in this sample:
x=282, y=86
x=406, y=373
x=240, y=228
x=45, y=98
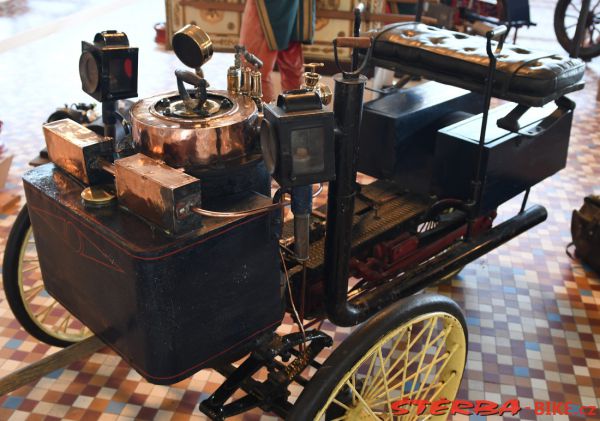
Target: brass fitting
x=256, y=78
x=246, y=87
x=234, y=80
x=311, y=82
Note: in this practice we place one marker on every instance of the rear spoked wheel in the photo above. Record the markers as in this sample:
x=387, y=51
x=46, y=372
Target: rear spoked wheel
x=39, y=314
x=415, y=349
x=567, y=15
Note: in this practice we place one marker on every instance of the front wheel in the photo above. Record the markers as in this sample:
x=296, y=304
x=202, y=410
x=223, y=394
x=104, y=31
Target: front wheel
x=39, y=314
x=413, y=350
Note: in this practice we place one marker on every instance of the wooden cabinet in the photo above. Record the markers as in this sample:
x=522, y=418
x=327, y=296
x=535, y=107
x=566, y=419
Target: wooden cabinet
x=222, y=20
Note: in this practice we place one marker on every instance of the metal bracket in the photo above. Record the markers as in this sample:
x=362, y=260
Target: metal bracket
x=271, y=394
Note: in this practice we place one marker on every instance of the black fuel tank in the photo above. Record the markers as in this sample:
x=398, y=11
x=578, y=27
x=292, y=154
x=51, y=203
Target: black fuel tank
x=168, y=306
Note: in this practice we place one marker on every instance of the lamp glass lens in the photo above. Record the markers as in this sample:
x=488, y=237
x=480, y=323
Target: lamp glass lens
x=308, y=151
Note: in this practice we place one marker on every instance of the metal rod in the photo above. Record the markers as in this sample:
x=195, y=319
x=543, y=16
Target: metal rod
x=525, y=198
x=107, y=166
x=419, y=11
x=489, y=86
x=109, y=119
x=358, y=10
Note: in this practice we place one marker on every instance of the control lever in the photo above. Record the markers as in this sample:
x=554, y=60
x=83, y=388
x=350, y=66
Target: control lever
x=355, y=43
x=253, y=60
x=199, y=83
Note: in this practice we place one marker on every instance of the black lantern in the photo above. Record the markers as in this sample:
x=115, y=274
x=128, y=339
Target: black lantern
x=108, y=68
x=297, y=139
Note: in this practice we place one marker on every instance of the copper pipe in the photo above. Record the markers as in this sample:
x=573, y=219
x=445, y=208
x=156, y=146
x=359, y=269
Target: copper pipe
x=233, y=214
x=107, y=166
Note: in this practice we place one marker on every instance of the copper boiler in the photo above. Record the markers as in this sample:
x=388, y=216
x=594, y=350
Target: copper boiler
x=224, y=137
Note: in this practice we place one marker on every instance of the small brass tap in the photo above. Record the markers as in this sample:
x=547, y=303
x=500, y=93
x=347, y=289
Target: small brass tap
x=312, y=83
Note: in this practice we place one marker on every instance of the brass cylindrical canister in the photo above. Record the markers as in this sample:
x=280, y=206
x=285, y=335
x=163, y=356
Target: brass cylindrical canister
x=256, y=91
x=233, y=80
x=246, y=81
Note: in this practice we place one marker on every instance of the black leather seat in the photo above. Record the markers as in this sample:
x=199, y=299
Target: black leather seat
x=523, y=76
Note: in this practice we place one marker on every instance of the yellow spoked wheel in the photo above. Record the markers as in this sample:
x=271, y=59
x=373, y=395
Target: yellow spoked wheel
x=39, y=314
x=415, y=350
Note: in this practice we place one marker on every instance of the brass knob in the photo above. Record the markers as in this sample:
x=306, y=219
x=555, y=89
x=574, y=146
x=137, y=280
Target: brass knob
x=311, y=77
x=312, y=67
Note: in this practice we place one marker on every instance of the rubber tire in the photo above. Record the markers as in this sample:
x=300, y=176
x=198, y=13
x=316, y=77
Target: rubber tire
x=343, y=358
x=10, y=280
x=587, y=53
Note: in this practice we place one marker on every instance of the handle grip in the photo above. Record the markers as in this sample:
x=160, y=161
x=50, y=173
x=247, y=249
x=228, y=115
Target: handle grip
x=188, y=77
x=193, y=79
x=253, y=60
x=497, y=32
x=353, y=42
x=511, y=121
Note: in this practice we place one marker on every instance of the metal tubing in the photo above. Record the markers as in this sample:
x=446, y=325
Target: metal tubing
x=477, y=183
x=347, y=109
x=358, y=11
x=301, y=208
x=419, y=11
x=455, y=257
x=109, y=119
x=107, y=166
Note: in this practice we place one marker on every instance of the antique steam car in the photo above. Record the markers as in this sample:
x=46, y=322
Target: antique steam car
x=166, y=242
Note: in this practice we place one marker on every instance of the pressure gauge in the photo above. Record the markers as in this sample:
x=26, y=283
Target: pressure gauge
x=297, y=139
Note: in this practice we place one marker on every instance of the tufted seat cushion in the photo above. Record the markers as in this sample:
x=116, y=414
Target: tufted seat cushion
x=522, y=75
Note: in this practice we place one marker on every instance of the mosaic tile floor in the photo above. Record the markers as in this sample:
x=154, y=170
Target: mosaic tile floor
x=533, y=313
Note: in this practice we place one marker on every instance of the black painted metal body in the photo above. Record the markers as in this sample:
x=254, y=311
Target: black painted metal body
x=340, y=206
x=398, y=132
x=169, y=306
x=511, y=162
x=347, y=109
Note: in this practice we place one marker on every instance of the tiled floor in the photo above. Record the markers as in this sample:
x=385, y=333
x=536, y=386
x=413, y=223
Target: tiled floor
x=533, y=313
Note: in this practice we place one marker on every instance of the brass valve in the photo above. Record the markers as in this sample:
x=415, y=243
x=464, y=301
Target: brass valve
x=245, y=79
x=312, y=83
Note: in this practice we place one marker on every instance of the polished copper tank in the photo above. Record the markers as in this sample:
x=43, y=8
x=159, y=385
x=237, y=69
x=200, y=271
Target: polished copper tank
x=225, y=136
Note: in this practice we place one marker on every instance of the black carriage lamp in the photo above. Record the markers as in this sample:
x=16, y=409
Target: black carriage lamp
x=108, y=69
x=297, y=141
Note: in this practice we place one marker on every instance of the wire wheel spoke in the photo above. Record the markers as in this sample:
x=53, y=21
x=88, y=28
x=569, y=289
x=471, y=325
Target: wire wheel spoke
x=47, y=314
x=32, y=292
x=420, y=360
